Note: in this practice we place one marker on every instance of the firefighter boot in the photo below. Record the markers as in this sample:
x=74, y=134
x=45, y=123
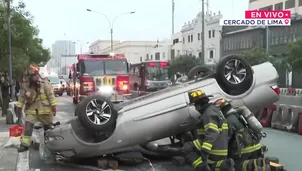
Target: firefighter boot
x=262, y=164
x=22, y=148
x=226, y=165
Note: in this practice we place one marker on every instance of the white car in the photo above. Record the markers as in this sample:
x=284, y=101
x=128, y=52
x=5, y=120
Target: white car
x=103, y=128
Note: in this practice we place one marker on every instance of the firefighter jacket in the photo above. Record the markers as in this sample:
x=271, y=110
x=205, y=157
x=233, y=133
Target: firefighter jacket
x=212, y=134
x=240, y=139
x=39, y=99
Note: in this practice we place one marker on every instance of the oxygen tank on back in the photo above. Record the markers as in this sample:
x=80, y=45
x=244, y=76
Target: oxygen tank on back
x=252, y=121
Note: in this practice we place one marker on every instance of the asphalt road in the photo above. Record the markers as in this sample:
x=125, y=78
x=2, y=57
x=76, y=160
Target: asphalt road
x=285, y=146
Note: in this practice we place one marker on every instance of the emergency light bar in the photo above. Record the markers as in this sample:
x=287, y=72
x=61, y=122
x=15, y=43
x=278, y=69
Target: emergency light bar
x=100, y=56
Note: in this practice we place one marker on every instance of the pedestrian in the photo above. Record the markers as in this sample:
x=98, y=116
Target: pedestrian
x=17, y=89
x=209, y=150
x=5, y=91
x=40, y=104
x=244, y=143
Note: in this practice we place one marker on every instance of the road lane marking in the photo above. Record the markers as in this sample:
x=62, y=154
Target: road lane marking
x=4, y=134
x=70, y=101
x=23, y=161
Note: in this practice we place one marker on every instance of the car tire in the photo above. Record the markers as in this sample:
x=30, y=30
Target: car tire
x=61, y=94
x=102, y=104
x=244, y=80
x=199, y=69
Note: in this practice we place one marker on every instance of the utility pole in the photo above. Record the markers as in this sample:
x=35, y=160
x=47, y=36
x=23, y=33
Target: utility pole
x=111, y=34
x=203, y=34
x=173, y=11
x=9, y=42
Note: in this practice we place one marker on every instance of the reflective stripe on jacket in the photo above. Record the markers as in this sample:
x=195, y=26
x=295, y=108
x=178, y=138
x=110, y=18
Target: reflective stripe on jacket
x=212, y=133
x=238, y=132
x=42, y=102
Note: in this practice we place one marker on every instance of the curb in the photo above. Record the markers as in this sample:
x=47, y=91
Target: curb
x=23, y=161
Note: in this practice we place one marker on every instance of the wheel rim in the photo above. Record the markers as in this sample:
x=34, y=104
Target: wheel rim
x=235, y=71
x=98, y=112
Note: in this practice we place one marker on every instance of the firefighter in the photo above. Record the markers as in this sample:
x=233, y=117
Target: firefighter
x=244, y=144
x=209, y=150
x=40, y=104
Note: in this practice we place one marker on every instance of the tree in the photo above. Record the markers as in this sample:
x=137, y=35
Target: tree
x=183, y=64
x=256, y=56
x=26, y=46
x=294, y=57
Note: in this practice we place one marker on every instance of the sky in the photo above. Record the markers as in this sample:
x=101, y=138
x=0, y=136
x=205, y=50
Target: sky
x=152, y=20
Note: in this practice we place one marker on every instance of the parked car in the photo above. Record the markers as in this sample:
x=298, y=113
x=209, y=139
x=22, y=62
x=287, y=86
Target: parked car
x=103, y=128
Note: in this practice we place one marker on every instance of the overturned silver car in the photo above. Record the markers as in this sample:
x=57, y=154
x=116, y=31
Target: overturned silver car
x=102, y=128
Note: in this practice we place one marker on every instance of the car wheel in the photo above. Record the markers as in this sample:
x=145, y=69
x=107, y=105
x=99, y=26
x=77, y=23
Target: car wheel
x=96, y=113
x=61, y=94
x=234, y=74
x=199, y=70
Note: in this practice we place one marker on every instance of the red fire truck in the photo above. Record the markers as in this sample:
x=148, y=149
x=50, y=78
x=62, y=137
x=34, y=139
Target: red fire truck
x=100, y=73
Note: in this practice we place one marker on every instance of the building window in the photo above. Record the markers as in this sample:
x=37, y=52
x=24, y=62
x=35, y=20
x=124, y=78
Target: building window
x=157, y=56
x=289, y=4
x=213, y=33
x=270, y=7
x=300, y=3
x=151, y=58
x=175, y=41
x=141, y=59
x=183, y=40
x=191, y=38
x=147, y=57
x=211, y=54
x=164, y=55
x=279, y=6
x=198, y=36
x=210, y=34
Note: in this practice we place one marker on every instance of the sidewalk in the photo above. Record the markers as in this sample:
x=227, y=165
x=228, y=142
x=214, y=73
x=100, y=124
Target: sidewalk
x=8, y=156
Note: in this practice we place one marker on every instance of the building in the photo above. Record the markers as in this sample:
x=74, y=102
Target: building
x=190, y=37
x=60, y=48
x=135, y=51
x=294, y=5
x=97, y=46
x=238, y=39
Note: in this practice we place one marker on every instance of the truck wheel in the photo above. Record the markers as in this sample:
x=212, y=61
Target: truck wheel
x=96, y=113
x=234, y=74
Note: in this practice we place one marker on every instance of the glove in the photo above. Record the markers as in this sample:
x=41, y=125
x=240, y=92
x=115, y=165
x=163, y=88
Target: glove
x=54, y=110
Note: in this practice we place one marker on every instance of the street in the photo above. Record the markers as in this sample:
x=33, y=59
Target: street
x=284, y=145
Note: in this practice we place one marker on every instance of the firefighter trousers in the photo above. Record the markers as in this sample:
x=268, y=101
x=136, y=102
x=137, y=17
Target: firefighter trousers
x=224, y=164
x=30, y=120
x=252, y=161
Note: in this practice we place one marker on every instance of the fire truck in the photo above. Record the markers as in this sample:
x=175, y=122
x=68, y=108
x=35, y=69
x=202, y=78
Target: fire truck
x=107, y=74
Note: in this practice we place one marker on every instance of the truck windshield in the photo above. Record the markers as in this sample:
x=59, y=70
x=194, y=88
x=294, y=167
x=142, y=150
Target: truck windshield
x=116, y=67
x=112, y=67
x=54, y=80
x=157, y=73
